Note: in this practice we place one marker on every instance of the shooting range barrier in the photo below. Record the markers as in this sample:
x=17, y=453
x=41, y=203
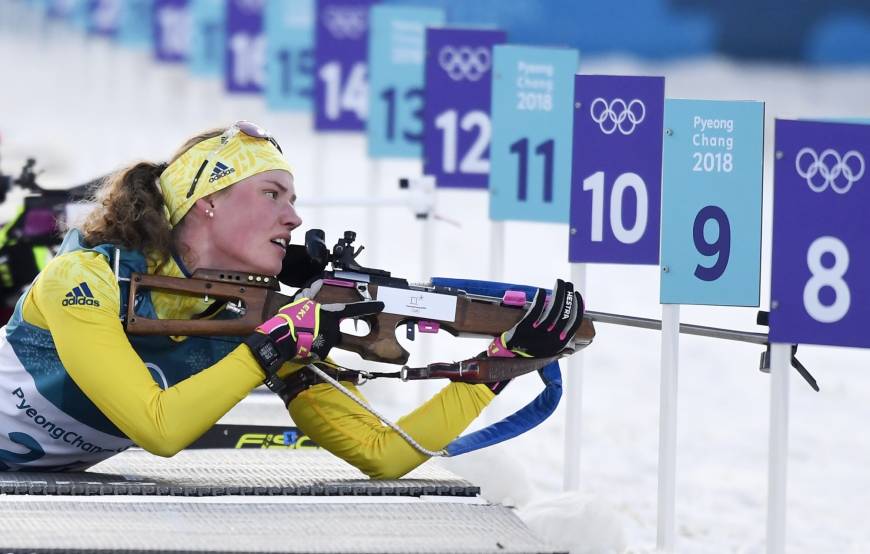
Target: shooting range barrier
x=251, y=501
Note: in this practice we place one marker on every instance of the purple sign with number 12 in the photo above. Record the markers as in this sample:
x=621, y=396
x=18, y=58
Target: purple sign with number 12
x=456, y=106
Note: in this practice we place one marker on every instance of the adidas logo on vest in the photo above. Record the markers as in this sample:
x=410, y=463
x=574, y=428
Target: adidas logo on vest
x=220, y=170
x=80, y=296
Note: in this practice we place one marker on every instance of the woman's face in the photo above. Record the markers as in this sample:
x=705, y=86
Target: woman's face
x=252, y=222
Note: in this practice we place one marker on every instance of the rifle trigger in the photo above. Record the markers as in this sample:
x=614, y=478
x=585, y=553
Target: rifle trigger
x=409, y=330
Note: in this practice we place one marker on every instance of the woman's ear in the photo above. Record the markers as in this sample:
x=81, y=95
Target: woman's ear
x=204, y=207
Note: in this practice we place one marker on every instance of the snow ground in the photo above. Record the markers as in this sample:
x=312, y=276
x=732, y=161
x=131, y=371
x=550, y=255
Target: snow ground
x=84, y=109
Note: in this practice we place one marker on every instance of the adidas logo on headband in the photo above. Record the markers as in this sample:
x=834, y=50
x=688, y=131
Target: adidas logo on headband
x=220, y=170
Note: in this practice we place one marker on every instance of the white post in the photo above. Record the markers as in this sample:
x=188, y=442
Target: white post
x=372, y=188
x=574, y=399
x=780, y=361
x=666, y=537
x=496, y=250
x=423, y=191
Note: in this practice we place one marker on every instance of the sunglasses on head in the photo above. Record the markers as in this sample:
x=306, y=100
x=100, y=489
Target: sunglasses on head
x=246, y=127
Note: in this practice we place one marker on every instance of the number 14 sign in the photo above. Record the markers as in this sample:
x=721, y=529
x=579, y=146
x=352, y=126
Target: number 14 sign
x=820, y=289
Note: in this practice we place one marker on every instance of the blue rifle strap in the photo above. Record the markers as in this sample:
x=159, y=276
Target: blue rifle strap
x=528, y=417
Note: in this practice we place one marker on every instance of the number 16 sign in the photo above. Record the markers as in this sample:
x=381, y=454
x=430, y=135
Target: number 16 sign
x=820, y=289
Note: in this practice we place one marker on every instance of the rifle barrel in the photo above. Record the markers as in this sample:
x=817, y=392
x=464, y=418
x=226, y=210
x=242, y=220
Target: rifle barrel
x=686, y=328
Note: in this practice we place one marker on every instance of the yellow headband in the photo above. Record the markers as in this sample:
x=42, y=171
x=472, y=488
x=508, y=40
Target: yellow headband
x=232, y=156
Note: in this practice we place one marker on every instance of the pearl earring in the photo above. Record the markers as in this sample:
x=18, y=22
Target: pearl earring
x=209, y=213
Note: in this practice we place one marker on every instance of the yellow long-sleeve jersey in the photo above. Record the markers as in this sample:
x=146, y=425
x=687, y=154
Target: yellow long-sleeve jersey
x=78, y=389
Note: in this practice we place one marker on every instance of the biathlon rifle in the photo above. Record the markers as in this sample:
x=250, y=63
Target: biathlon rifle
x=461, y=308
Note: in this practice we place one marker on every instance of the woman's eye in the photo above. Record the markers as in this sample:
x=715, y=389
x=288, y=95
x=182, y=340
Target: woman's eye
x=272, y=194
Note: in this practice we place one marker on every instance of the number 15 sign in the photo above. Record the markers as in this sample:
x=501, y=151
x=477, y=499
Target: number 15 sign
x=820, y=289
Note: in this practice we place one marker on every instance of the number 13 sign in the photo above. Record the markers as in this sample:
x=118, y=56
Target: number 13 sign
x=820, y=289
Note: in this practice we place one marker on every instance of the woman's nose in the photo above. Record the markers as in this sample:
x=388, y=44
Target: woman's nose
x=291, y=217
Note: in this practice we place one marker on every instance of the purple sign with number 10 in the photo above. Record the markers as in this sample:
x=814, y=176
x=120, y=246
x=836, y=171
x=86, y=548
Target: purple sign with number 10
x=456, y=106
x=341, y=83
x=820, y=274
x=616, y=179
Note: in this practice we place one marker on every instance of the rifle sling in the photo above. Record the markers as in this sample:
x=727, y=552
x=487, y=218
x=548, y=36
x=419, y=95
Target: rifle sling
x=477, y=370
x=473, y=370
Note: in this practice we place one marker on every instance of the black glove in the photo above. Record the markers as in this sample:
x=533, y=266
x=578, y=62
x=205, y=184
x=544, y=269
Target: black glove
x=547, y=328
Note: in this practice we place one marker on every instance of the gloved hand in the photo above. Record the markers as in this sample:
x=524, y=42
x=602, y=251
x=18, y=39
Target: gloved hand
x=546, y=329
x=302, y=329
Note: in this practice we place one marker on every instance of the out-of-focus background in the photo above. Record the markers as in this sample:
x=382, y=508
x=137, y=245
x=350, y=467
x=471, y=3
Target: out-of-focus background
x=83, y=103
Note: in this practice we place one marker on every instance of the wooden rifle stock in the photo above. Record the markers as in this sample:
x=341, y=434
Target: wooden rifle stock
x=260, y=300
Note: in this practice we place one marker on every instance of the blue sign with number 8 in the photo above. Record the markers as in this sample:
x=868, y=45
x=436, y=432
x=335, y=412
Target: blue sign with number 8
x=820, y=275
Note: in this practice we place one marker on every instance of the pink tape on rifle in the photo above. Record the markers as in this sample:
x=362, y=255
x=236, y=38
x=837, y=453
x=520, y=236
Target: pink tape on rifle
x=514, y=298
x=339, y=283
x=428, y=326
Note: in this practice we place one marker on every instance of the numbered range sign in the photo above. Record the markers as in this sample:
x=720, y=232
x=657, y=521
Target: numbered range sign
x=74, y=12
x=171, y=30
x=104, y=17
x=396, y=53
x=820, y=274
x=64, y=9
x=135, y=24
x=617, y=168
x=711, y=202
x=532, y=122
x=290, y=54
x=341, y=84
x=208, y=32
x=456, y=108
x=245, y=54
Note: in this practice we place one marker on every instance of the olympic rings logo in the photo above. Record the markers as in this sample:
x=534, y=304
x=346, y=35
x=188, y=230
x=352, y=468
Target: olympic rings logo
x=617, y=115
x=345, y=22
x=465, y=62
x=838, y=172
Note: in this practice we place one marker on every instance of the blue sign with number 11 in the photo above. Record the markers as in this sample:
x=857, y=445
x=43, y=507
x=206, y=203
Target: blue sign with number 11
x=532, y=122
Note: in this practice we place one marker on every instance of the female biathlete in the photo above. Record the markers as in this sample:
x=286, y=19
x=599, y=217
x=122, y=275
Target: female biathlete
x=75, y=389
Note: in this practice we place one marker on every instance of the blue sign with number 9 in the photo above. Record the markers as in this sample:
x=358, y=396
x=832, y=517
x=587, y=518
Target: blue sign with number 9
x=820, y=274
x=711, y=202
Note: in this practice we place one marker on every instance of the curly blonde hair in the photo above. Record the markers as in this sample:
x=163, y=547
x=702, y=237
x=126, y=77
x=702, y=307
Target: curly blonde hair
x=130, y=209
